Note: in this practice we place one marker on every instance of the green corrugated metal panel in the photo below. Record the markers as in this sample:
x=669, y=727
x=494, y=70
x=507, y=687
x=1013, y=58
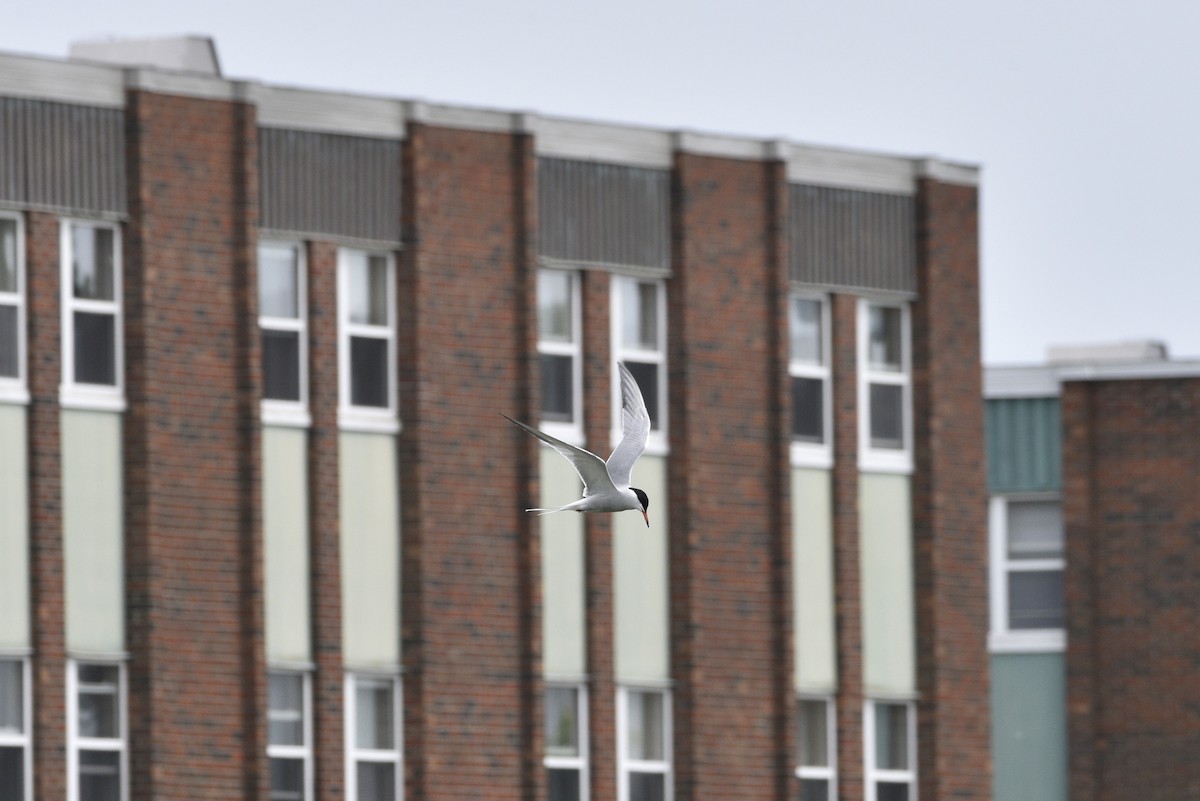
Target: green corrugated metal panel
x=1029, y=727
x=1024, y=445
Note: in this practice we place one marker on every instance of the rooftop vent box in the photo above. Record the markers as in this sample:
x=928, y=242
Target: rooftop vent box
x=196, y=54
x=1147, y=350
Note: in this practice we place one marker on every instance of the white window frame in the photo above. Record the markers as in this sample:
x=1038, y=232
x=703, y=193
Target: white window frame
x=1002, y=638
x=810, y=454
x=828, y=773
x=580, y=762
x=627, y=765
x=283, y=412
x=884, y=460
x=16, y=390
x=79, y=395
x=873, y=774
x=77, y=743
x=366, y=418
x=354, y=754
x=656, y=443
x=24, y=738
x=573, y=431
x=302, y=752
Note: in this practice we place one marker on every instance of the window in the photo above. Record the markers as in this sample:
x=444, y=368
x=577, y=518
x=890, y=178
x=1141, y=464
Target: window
x=559, y=348
x=367, y=339
x=289, y=736
x=644, y=745
x=565, y=735
x=92, y=341
x=1028, y=611
x=816, y=741
x=372, y=738
x=96, y=732
x=890, y=738
x=639, y=340
x=15, y=753
x=12, y=308
x=282, y=320
x=885, y=365
x=808, y=371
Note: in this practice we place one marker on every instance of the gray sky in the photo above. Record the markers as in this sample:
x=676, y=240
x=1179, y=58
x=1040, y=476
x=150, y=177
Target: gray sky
x=1085, y=116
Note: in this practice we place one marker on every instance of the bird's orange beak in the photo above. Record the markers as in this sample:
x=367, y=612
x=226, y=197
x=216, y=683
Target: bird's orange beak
x=647, y=516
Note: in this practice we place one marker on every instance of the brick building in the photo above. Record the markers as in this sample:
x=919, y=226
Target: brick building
x=261, y=527
x=1094, y=470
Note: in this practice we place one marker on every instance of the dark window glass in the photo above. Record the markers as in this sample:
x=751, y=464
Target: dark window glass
x=368, y=372
x=1035, y=599
x=95, y=349
x=891, y=737
x=376, y=781
x=557, y=388
x=287, y=779
x=93, y=264
x=813, y=734
x=8, y=256
x=647, y=377
x=890, y=791
x=887, y=416
x=99, y=776
x=814, y=790
x=647, y=787
x=8, y=341
x=12, y=774
x=281, y=365
x=808, y=409
x=562, y=784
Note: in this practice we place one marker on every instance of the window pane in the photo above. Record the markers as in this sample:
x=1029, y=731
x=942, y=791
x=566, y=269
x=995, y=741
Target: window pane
x=814, y=734
x=646, y=376
x=1035, y=599
x=368, y=289
x=1035, y=529
x=12, y=774
x=95, y=349
x=884, y=349
x=887, y=416
x=278, y=282
x=8, y=256
x=646, y=725
x=647, y=787
x=287, y=779
x=99, y=776
x=891, y=791
x=891, y=736
x=285, y=717
x=376, y=781
x=12, y=710
x=814, y=790
x=92, y=265
x=558, y=393
x=376, y=725
x=805, y=327
x=368, y=372
x=554, y=306
x=562, y=721
x=8, y=341
x=562, y=785
x=808, y=409
x=281, y=365
x=99, y=697
x=639, y=315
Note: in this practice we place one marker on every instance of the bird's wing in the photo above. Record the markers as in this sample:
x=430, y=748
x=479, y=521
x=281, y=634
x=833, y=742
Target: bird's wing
x=635, y=427
x=589, y=466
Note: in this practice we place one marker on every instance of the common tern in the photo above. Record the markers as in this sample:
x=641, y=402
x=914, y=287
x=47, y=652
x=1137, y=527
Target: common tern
x=606, y=484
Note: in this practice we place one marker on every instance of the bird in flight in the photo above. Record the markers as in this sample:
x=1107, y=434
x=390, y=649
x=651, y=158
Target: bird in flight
x=606, y=484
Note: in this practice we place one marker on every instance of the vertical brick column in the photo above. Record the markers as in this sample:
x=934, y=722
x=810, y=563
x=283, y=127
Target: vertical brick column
x=192, y=452
x=325, y=523
x=729, y=649
x=45, y=515
x=846, y=574
x=950, y=499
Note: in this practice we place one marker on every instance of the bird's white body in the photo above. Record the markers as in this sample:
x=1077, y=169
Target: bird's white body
x=606, y=484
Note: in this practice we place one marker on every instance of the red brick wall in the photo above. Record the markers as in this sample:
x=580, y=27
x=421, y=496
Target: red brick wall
x=728, y=544
x=1131, y=486
x=949, y=500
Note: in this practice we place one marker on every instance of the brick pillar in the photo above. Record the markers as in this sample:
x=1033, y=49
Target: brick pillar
x=45, y=513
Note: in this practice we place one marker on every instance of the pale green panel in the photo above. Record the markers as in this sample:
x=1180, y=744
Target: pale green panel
x=14, y=529
x=812, y=581
x=285, y=544
x=370, y=550
x=564, y=621
x=885, y=553
x=641, y=624
x=93, y=532
x=1029, y=727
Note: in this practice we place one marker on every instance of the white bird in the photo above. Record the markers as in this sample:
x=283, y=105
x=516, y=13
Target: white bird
x=606, y=484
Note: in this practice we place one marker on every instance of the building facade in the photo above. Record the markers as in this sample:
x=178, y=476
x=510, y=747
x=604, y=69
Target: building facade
x=261, y=526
